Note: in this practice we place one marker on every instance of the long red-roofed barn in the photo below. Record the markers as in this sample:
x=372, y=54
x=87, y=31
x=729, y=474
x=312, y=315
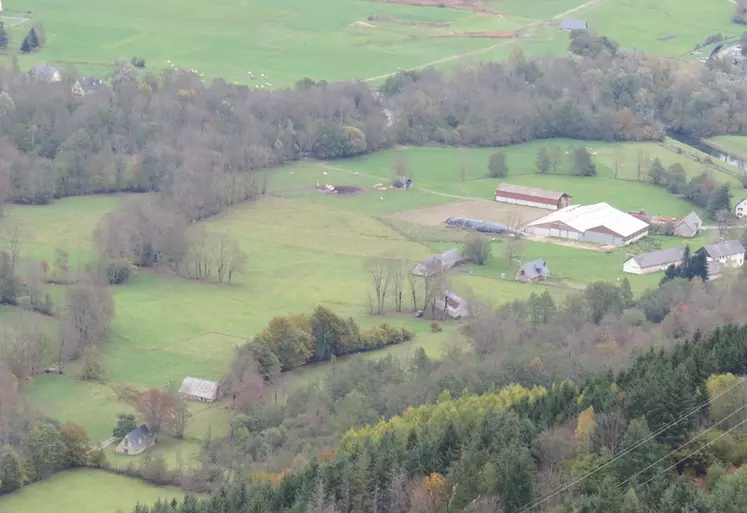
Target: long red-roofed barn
x=599, y=223
x=531, y=197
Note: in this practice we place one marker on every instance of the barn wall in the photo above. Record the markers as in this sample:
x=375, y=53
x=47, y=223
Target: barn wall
x=526, y=201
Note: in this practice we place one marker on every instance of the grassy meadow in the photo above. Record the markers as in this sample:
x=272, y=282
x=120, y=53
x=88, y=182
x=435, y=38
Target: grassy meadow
x=306, y=248
x=281, y=42
x=106, y=493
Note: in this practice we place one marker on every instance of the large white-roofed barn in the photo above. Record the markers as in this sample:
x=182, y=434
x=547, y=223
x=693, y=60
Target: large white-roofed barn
x=531, y=197
x=599, y=223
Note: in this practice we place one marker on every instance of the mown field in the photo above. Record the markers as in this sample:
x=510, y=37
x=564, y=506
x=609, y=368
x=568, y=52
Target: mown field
x=106, y=493
x=306, y=248
x=281, y=42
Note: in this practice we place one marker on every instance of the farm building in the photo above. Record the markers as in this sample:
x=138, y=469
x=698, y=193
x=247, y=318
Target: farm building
x=599, y=223
x=440, y=263
x=721, y=255
x=535, y=270
x=654, y=261
x=136, y=441
x=689, y=226
x=199, y=389
x=740, y=209
x=569, y=24
x=85, y=85
x=451, y=305
x=531, y=197
x=45, y=73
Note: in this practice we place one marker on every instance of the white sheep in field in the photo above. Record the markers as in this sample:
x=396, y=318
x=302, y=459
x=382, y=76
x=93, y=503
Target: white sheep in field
x=291, y=173
x=382, y=198
x=324, y=173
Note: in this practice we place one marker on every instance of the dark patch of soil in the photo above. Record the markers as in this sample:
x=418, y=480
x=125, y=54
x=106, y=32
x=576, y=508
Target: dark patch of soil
x=347, y=189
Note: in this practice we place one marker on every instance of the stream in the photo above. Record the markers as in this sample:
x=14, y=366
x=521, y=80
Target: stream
x=708, y=150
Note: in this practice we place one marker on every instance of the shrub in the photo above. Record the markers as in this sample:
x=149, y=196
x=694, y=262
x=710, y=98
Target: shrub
x=118, y=271
x=436, y=327
x=477, y=248
x=497, y=167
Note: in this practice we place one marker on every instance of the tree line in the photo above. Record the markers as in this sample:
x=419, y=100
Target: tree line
x=609, y=441
x=203, y=146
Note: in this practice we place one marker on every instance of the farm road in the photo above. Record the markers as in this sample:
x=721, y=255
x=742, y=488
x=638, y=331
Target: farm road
x=525, y=32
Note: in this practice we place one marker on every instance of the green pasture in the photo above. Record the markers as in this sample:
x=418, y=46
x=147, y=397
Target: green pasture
x=646, y=24
x=306, y=248
x=85, y=491
x=735, y=145
x=283, y=41
x=437, y=176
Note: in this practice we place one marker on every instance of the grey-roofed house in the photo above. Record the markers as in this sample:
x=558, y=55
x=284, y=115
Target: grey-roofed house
x=689, y=226
x=533, y=271
x=451, y=305
x=45, y=73
x=198, y=389
x=440, y=263
x=85, y=85
x=136, y=441
x=722, y=254
x=569, y=24
x=654, y=261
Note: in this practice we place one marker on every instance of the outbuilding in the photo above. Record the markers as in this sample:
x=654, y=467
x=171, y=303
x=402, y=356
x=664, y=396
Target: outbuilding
x=199, y=389
x=533, y=271
x=531, y=197
x=136, y=441
x=451, y=305
x=654, y=261
x=688, y=226
x=570, y=24
x=599, y=223
x=439, y=263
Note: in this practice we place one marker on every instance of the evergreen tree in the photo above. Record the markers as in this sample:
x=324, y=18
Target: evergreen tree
x=626, y=294
x=514, y=466
x=3, y=36
x=719, y=200
x=11, y=472
x=646, y=453
x=328, y=330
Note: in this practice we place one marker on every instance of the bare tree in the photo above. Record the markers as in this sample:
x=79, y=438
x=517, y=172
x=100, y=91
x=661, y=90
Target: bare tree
x=609, y=430
x=229, y=258
x=412, y=285
x=85, y=317
x=23, y=345
x=401, y=165
x=156, y=407
x=435, y=285
x=180, y=412
x=464, y=165
x=200, y=260
x=379, y=270
x=398, y=268
x=13, y=235
x=513, y=247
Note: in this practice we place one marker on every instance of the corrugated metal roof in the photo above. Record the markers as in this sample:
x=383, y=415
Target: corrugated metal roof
x=657, y=258
x=724, y=248
x=531, y=191
x=571, y=24
x=584, y=217
x=197, y=387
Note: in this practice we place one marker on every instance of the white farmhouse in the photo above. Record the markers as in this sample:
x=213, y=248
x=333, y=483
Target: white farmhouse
x=722, y=254
x=740, y=209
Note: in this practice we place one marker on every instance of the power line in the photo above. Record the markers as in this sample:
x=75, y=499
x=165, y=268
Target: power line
x=628, y=451
x=704, y=432
x=695, y=451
